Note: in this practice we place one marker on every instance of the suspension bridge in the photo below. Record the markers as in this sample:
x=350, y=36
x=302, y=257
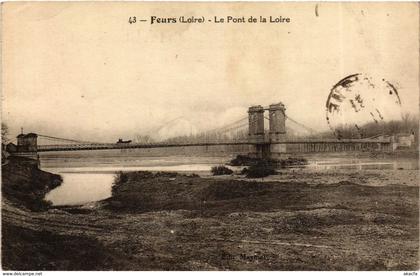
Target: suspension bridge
x=261, y=142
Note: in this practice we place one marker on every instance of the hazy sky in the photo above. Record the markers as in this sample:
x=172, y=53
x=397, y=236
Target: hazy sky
x=80, y=70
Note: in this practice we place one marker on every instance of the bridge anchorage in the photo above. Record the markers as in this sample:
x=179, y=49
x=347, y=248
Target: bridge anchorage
x=273, y=144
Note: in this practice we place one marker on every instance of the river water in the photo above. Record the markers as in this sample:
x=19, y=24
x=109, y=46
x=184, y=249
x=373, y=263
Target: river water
x=91, y=180
x=87, y=180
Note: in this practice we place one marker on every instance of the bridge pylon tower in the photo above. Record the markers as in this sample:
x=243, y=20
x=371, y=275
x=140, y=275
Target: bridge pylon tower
x=277, y=134
x=256, y=124
x=273, y=147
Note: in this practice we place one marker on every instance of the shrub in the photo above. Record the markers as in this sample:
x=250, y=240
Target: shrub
x=262, y=168
x=39, y=205
x=244, y=171
x=243, y=160
x=221, y=170
x=119, y=179
x=166, y=174
x=293, y=161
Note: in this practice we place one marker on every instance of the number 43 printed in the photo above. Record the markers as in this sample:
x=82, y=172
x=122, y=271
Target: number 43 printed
x=132, y=19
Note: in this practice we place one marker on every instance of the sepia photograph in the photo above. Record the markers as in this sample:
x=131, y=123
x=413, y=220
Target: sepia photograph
x=210, y=136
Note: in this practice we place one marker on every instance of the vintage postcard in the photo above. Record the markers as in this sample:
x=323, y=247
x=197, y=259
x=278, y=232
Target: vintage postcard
x=250, y=136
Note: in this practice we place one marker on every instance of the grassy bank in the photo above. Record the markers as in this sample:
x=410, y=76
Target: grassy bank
x=236, y=224
x=146, y=191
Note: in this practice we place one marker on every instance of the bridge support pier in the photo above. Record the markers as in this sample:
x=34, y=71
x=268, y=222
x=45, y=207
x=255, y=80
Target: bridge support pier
x=277, y=134
x=261, y=151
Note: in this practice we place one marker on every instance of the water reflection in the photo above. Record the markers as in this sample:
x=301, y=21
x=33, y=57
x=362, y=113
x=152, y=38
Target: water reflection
x=81, y=188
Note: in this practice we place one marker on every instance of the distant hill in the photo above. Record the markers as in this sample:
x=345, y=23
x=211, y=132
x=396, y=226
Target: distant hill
x=178, y=127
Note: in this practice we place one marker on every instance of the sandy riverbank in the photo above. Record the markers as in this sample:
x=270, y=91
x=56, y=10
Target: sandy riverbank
x=299, y=220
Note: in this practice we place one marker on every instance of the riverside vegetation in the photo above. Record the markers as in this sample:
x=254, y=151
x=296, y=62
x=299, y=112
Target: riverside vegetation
x=296, y=220
x=258, y=167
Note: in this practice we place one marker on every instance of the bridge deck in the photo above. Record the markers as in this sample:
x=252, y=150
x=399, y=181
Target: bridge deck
x=105, y=146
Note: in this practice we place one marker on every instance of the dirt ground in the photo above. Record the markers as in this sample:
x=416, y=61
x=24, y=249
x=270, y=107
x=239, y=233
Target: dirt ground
x=298, y=220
